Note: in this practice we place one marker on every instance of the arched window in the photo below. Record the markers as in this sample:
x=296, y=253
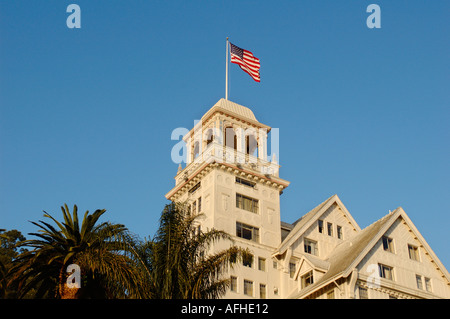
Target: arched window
x=251, y=145
x=209, y=136
x=230, y=138
x=196, y=149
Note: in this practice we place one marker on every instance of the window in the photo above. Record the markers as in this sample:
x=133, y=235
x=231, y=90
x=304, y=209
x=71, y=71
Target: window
x=247, y=261
x=233, y=285
x=248, y=287
x=307, y=279
x=339, y=232
x=386, y=271
x=330, y=229
x=199, y=204
x=388, y=245
x=230, y=138
x=413, y=252
x=363, y=293
x=275, y=265
x=261, y=263
x=251, y=144
x=419, y=282
x=194, y=207
x=245, y=182
x=262, y=291
x=209, y=137
x=428, y=284
x=311, y=247
x=292, y=269
x=247, y=232
x=196, y=149
x=247, y=203
x=320, y=226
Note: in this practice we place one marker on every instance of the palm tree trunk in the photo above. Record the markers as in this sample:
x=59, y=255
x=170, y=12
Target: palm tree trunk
x=64, y=291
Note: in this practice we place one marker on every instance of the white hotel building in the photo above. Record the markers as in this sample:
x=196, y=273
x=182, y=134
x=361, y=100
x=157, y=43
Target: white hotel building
x=324, y=254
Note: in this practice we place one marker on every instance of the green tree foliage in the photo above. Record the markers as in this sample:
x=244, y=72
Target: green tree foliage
x=102, y=250
x=8, y=252
x=179, y=260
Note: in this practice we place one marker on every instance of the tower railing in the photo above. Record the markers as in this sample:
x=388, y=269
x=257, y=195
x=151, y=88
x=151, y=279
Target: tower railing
x=219, y=153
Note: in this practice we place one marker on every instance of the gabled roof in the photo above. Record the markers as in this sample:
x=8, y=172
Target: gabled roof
x=351, y=252
x=302, y=224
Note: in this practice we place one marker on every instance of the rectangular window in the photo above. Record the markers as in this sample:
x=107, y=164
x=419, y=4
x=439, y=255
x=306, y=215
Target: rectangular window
x=247, y=203
x=339, y=232
x=320, y=226
x=310, y=247
x=413, y=252
x=248, y=287
x=275, y=265
x=386, y=271
x=428, y=284
x=247, y=261
x=261, y=263
x=247, y=232
x=419, y=282
x=245, y=182
x=307, y=279
x=262, y=291
x=330, y=229
x=388, y=244
x=292, y=269
x=199, y=204
x=233, y=285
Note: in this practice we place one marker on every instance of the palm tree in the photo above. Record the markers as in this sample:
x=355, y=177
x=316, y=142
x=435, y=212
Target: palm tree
x=179, y=259
x=102, y=251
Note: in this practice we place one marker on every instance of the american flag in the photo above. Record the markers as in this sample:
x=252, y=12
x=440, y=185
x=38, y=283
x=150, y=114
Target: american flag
x=246, y=61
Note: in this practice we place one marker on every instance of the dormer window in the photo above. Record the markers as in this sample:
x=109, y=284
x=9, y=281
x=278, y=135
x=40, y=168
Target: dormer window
x=307, y=279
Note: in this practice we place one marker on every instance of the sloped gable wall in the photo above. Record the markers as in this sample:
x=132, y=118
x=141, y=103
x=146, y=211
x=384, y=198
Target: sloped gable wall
x=334, y=217
x=404, y=268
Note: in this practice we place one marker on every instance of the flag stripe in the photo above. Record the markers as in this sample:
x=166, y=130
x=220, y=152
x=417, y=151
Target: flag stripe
x=246, y=61
x=254, y=74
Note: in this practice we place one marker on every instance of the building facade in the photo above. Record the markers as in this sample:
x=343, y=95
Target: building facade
x=229, y=179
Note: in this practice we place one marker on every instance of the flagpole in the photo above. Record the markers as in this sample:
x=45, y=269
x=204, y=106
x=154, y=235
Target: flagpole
x=226, y=75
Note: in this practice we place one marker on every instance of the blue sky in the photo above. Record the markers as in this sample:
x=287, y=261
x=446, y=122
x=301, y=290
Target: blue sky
x=86, y=114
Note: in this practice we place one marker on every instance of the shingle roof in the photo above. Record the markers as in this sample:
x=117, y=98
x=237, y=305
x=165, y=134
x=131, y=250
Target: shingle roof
x=345, y=254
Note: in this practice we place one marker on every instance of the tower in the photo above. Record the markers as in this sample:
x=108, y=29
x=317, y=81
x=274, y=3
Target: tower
x=229, y=179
